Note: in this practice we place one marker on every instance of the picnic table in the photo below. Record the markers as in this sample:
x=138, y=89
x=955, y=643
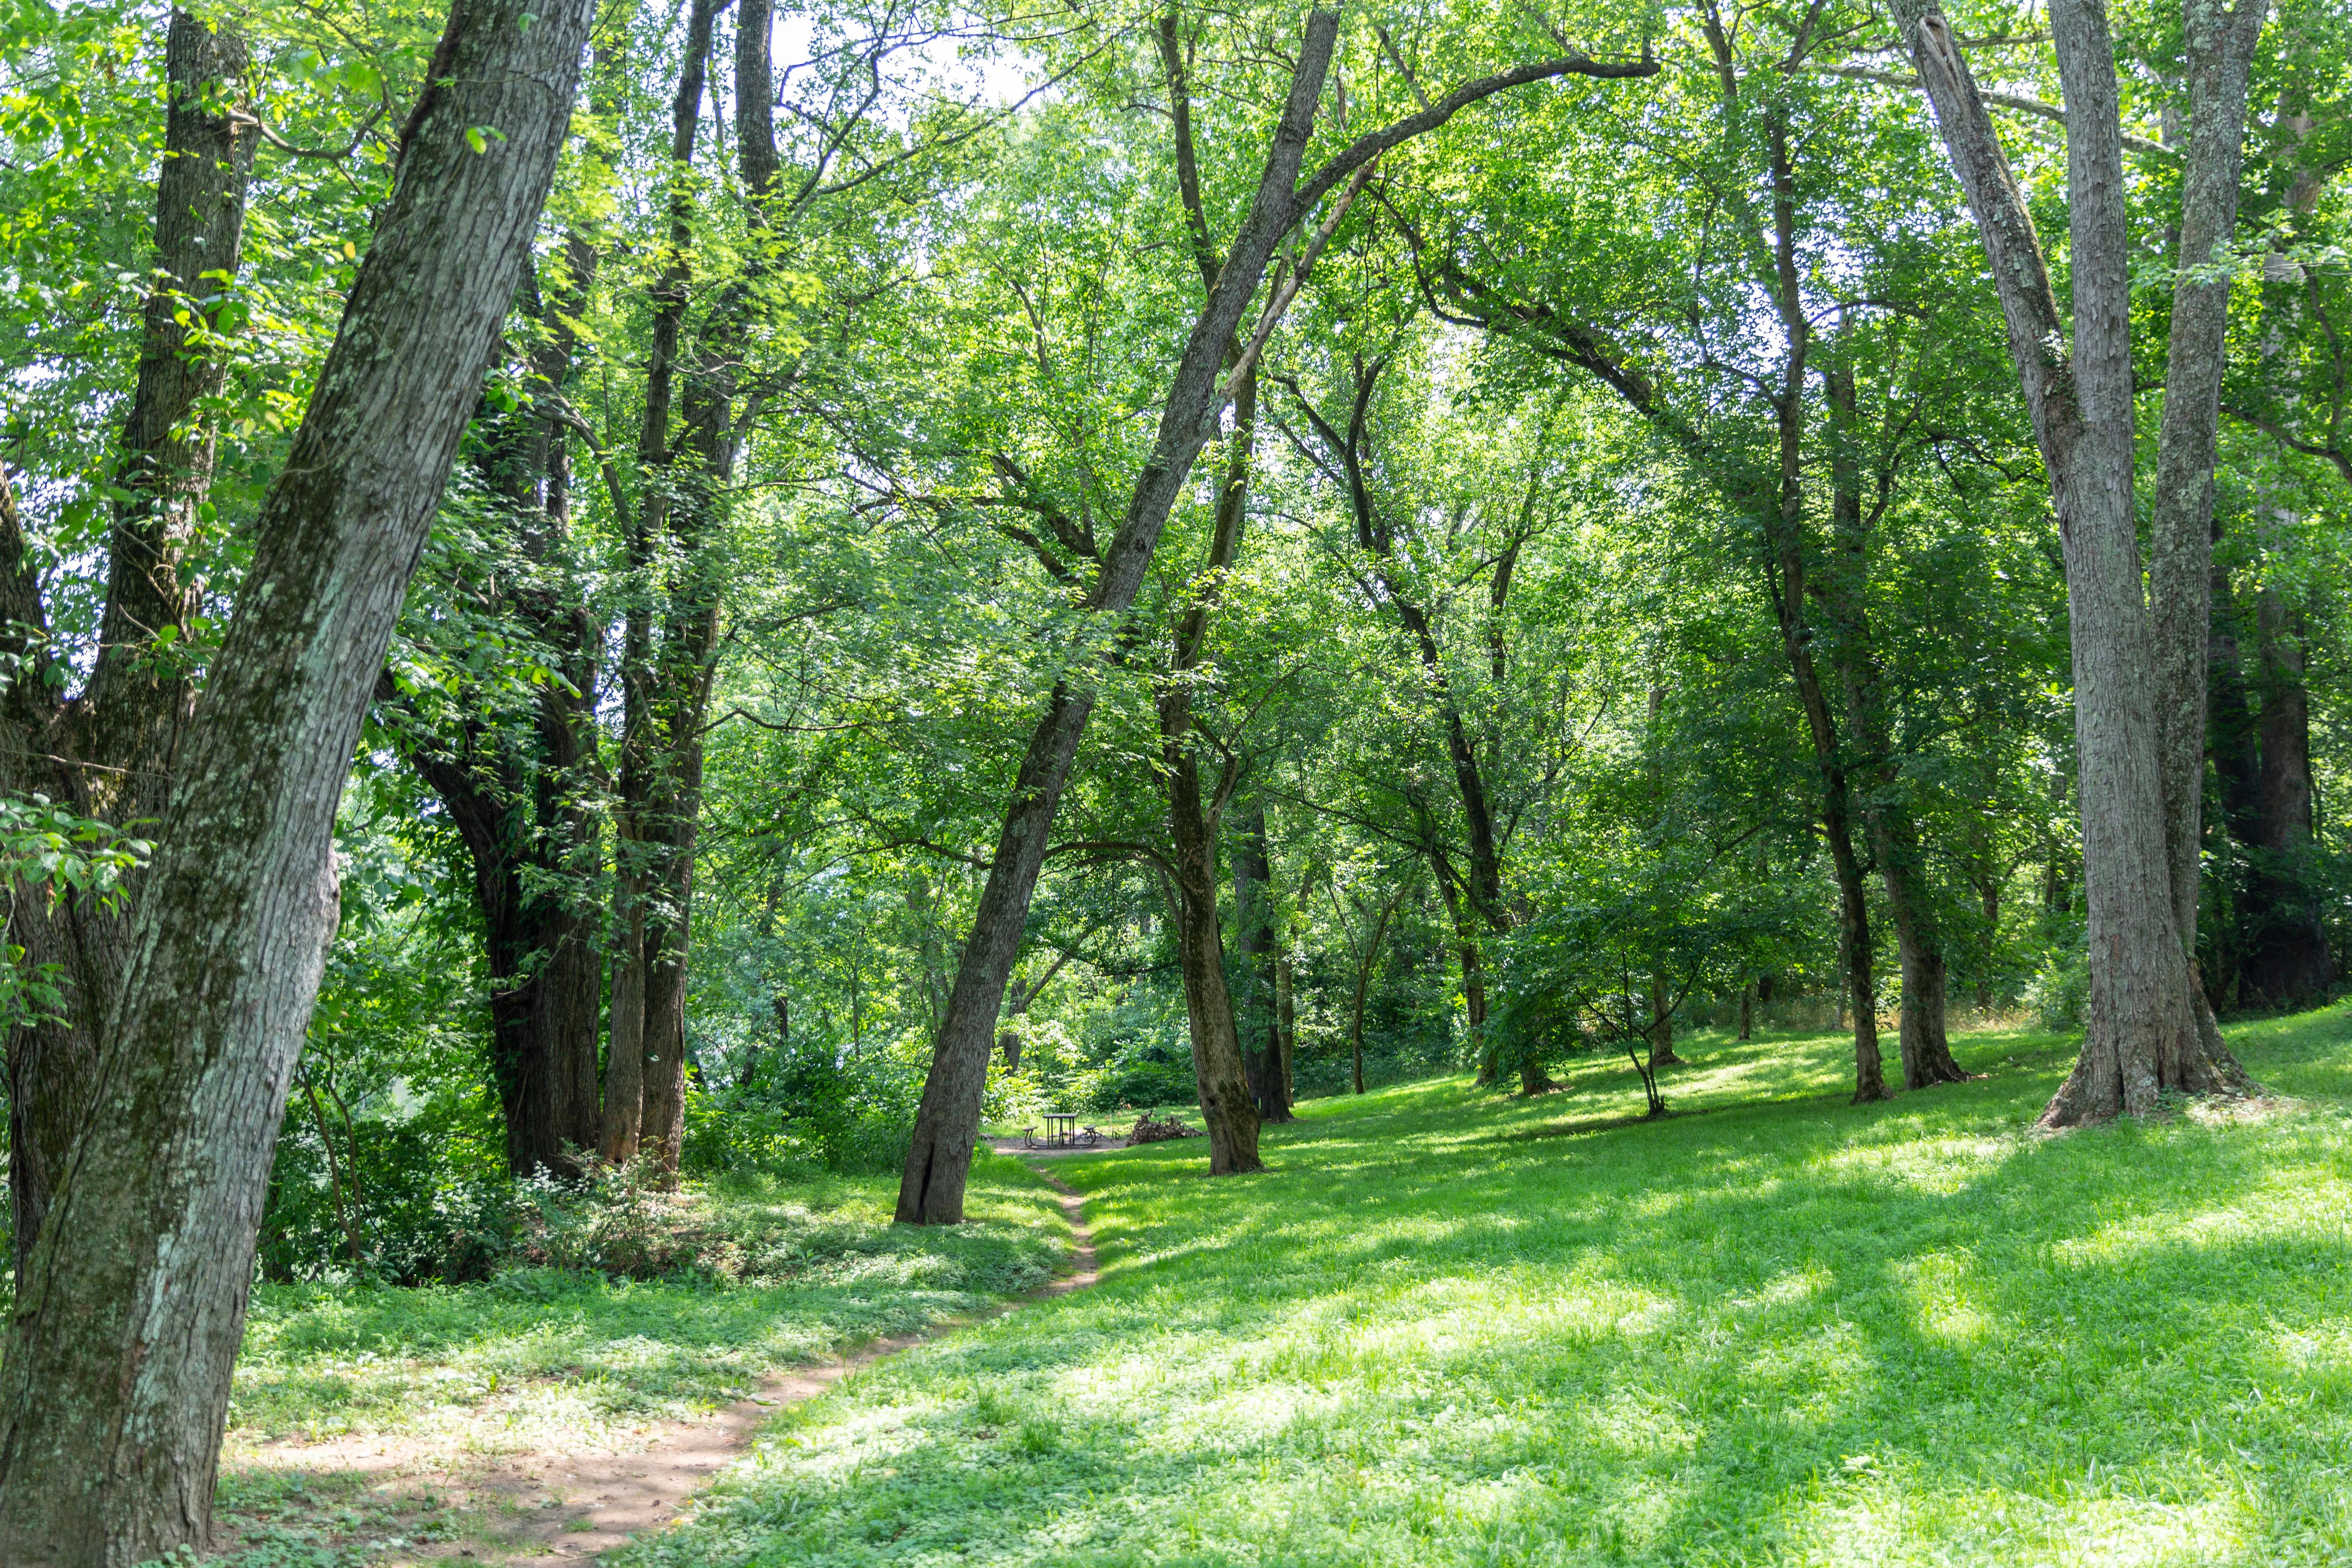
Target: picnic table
x=1061, y=1127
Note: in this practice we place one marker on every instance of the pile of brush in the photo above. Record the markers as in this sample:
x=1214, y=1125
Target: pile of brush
x=1147, y=1131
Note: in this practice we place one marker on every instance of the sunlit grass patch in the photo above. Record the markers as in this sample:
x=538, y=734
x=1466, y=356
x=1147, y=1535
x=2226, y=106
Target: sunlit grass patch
x=541, y=1357
x=1778, y=1329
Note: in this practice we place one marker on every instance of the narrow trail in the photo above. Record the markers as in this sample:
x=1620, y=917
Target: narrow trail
x=599, y=1501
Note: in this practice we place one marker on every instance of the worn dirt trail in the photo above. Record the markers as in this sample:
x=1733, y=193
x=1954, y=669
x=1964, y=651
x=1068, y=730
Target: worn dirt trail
x=628, y=1494
x=572, y=1507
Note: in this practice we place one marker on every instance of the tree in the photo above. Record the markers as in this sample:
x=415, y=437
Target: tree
x=151, y=1241
x=2139, y=654
x=109, y=751
x=931, y=1190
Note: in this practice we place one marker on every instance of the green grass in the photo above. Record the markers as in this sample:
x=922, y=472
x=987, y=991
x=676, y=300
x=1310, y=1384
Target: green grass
x=1448, y=1328
x=543, y=1357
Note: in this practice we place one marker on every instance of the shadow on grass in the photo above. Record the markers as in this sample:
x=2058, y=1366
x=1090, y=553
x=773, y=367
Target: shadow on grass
x=1787, y=1331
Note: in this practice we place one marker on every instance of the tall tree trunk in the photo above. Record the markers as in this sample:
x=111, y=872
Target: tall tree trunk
x=1261, y=940
x=515, y=798
x=115, y=1385
x=624, y=1036
x=1861, y=994
x=2143, y=1033
x=665, y=678
x=1225, y=1102
x=541, y=946
x=2221, y=48
x=1894, y=829
x=946, y=1123
x=2287, y=963
x=1786, y=587
x=1474, y=976
x=110, y=753
x=930, y=1191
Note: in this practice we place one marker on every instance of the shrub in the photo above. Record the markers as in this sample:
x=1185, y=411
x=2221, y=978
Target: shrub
x=2060, y=989
x=812, y=1105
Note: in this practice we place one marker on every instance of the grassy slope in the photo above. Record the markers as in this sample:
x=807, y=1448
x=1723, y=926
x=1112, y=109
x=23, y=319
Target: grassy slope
x=541, y=1357
x=1447, y=1329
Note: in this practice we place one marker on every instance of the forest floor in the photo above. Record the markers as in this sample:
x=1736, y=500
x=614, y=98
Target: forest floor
x=1446, y=1328
x=1450, y=1328
x=545, y=1416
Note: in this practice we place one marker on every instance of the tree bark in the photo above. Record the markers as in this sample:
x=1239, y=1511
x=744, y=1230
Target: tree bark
x=2286, y=962
x=2221, y=46
x=540, y=939
x=1262, y=957
x=1226, y=1105
x=116, y=1382
x=624, y=1037
x=1662, y=1024
x=1860, y=992
x=946, y=1123
x=110, y=754
x=2143, y=1033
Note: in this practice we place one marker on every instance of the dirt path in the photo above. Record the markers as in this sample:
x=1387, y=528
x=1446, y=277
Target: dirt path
x=551, y=1508
x=623, y=1496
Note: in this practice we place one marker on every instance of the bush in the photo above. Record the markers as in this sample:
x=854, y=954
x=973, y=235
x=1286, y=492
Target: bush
x=811, y=1105
x=416, y=1204
x=2060, y=991
x=617, y=1220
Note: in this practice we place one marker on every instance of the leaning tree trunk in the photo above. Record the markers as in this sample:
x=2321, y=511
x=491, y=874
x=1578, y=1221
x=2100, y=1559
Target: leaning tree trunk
x=2143, y=1033
x=115, y=1385
x=930, y=1190
x=947, y=1124
x=110, y=754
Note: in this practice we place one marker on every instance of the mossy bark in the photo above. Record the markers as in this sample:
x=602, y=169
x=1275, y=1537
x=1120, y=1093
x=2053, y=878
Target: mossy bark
x=115, y=1385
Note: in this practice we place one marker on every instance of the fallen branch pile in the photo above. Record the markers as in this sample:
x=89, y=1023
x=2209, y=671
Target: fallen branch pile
x=1147, y=1131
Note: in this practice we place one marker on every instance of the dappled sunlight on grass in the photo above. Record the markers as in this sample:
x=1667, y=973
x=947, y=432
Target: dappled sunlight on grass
x=1778, y=1329
x=544, y=1358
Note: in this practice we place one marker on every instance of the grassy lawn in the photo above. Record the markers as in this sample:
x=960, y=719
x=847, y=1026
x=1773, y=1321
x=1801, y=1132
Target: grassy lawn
x=1449, y=1328
x=542, y=1362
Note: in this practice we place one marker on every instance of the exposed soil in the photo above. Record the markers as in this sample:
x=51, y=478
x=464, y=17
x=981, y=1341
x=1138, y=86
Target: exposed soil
x=567, y=1507
x=1019, y=1151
